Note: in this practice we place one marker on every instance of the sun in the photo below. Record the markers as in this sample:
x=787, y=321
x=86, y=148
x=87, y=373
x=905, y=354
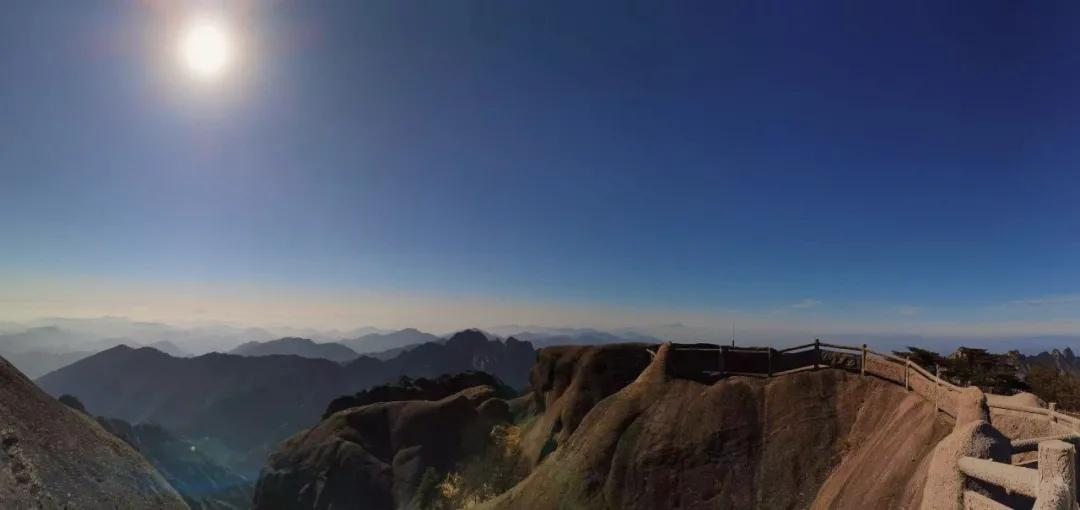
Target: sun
x=205, y=49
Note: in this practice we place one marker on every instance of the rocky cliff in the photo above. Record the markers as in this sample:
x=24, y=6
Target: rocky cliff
x=613, y=427
x=52, y=456
x=826, y=439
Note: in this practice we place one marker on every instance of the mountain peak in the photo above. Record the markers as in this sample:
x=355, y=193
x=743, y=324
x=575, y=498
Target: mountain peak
x=293, y=340
x=118, y=348
x=467, y=337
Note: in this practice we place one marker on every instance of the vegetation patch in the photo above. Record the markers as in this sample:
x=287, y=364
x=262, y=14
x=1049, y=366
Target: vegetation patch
x=477, y=479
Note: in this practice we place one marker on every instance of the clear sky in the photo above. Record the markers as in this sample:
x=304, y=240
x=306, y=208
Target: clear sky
x=819, y=165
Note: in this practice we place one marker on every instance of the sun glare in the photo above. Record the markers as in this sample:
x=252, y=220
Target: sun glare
x=205, y=49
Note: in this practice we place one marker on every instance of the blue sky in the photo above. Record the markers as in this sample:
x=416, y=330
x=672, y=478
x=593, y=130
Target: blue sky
x=888, y=167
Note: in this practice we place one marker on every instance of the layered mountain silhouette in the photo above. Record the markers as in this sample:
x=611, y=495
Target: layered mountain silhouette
x=380, y=342
x=38, y=351
x=549, y=337
x=250, y=403
x=36, y=363
x=52, y=456
x=169, y=348
x=302, y=347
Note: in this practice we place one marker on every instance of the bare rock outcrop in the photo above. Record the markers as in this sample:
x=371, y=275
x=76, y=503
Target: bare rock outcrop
x=375, y=456
x=566, y=382
x=52, y=456
x=823, y=438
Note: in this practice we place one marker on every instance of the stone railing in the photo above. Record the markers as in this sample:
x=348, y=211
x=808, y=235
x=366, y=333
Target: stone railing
x=1052, y=485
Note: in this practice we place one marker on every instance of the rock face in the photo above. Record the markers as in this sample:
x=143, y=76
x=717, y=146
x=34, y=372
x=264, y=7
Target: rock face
x=375, y=456
x=618, y=427
x=52, y=456
x=566, y=382
x=823, y=439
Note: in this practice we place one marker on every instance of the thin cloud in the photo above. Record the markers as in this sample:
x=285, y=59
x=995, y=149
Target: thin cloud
x=1063, y=299
x=806, y=303
x=908, y=311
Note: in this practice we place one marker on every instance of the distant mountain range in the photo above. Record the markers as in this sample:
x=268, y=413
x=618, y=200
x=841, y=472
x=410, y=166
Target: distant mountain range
x=562, y=336
x=168, y=348
x=37, y=363
x=250, y=403
x=302, y=347
x=380, y=342
x=38, y=351
x=1064, y=361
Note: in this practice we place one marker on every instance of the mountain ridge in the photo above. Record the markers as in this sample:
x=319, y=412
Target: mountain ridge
x=251, y=403
x=303, y=347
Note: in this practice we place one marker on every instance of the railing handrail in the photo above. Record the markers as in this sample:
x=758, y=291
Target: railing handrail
x=1020, y=480
x=798, y=347
x=1032, y=444
x=1051, y=485
x=899, y=361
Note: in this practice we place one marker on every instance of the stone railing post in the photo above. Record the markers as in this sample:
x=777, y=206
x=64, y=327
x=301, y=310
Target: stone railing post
x=723, y=360
x=1050, y=408
x=937, y=387
x=1057, y=476
x=862, y=366
x=907, y=368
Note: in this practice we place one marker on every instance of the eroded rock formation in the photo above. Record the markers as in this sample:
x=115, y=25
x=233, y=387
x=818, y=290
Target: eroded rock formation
x=827, y=438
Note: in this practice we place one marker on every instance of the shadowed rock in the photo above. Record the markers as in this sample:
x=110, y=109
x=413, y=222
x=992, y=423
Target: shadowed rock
x=375, y=456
